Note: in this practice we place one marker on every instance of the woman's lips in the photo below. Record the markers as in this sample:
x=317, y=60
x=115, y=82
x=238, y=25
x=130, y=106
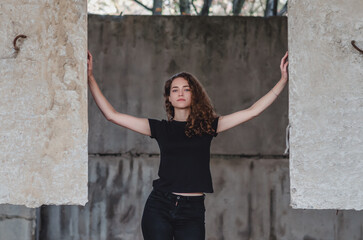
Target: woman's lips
x=181, y=99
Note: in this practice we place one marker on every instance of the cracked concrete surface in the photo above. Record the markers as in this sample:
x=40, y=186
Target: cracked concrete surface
x=44, y=126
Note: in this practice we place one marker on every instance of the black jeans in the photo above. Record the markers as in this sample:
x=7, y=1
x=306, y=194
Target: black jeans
x=167, y=215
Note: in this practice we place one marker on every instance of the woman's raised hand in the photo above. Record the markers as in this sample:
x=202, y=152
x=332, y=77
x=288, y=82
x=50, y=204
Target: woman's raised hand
x=89, y=64
x=283, y=67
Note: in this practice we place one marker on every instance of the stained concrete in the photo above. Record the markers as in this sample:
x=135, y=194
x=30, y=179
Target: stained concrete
x=236, y=59
x=251, y=201
x=44, y=126
x=17, y=222
x=325, y=104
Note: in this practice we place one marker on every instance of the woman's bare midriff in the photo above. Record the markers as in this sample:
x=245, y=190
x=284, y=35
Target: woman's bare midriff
x=189, y=194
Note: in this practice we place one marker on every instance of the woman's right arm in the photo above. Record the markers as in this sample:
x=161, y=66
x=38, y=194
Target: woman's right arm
x=140, y=125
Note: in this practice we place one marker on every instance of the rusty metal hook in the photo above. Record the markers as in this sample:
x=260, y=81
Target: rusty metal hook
x=355, y=46
x=15, y=39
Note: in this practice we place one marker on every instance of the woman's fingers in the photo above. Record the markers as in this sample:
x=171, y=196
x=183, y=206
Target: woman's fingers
x=283, y=60
x=283, y=66
x=285, y=72
x=89, y=56
x=89, y=62
x=285, y=56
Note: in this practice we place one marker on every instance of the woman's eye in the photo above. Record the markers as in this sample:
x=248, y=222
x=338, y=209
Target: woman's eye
x=187, y=89
x=174, y=91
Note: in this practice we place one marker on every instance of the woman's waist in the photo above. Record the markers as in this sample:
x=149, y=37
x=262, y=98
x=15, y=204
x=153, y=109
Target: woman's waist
x=172, y=196
x=189, y=194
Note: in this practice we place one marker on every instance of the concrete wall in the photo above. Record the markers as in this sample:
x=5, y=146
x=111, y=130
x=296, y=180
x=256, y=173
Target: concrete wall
x=250, y=174
x=236, y=59
x=251, y=201
x=43, y=115
x=17, y=222
x=325, y=104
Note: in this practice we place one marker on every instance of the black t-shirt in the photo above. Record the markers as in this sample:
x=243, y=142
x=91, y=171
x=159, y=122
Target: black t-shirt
x=184, y=162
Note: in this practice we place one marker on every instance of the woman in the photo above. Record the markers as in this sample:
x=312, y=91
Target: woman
x=175, y=207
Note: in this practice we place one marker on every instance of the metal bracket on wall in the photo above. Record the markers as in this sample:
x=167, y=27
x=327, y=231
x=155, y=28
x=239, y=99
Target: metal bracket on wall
x=356, y=47
x=16, y=48
x=15, y=39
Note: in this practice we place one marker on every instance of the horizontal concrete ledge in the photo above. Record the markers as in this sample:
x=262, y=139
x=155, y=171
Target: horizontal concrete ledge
x=10, y=217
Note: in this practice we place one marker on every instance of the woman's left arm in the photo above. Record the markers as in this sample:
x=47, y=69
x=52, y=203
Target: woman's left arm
x=232, y=120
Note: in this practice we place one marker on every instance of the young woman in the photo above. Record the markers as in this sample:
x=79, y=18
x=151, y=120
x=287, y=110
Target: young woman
x=175, y=207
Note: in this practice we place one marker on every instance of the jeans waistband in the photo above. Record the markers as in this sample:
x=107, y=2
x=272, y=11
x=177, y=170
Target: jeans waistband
x=173, y=196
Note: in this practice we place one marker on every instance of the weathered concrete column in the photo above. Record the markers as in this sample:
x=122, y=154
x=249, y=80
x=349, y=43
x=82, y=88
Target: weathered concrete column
x=43, y=115
x=325, y=103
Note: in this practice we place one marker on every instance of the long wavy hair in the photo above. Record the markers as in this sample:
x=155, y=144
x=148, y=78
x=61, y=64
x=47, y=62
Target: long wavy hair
x=202, y=111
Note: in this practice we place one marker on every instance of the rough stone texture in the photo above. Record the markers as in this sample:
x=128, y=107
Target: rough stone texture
x=326, y=104
x=43, y=121
x=236, y=59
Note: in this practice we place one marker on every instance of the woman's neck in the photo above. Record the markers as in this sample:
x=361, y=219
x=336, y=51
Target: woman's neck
x=181, y=115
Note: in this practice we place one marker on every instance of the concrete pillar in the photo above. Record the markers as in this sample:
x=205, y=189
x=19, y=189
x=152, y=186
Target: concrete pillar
x=325, y=104
x=43, y=115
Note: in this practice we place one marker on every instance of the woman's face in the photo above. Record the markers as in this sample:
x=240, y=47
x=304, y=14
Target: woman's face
x=180, y=93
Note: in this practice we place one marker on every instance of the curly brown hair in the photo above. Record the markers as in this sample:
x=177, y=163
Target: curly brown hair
x=202, y=111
